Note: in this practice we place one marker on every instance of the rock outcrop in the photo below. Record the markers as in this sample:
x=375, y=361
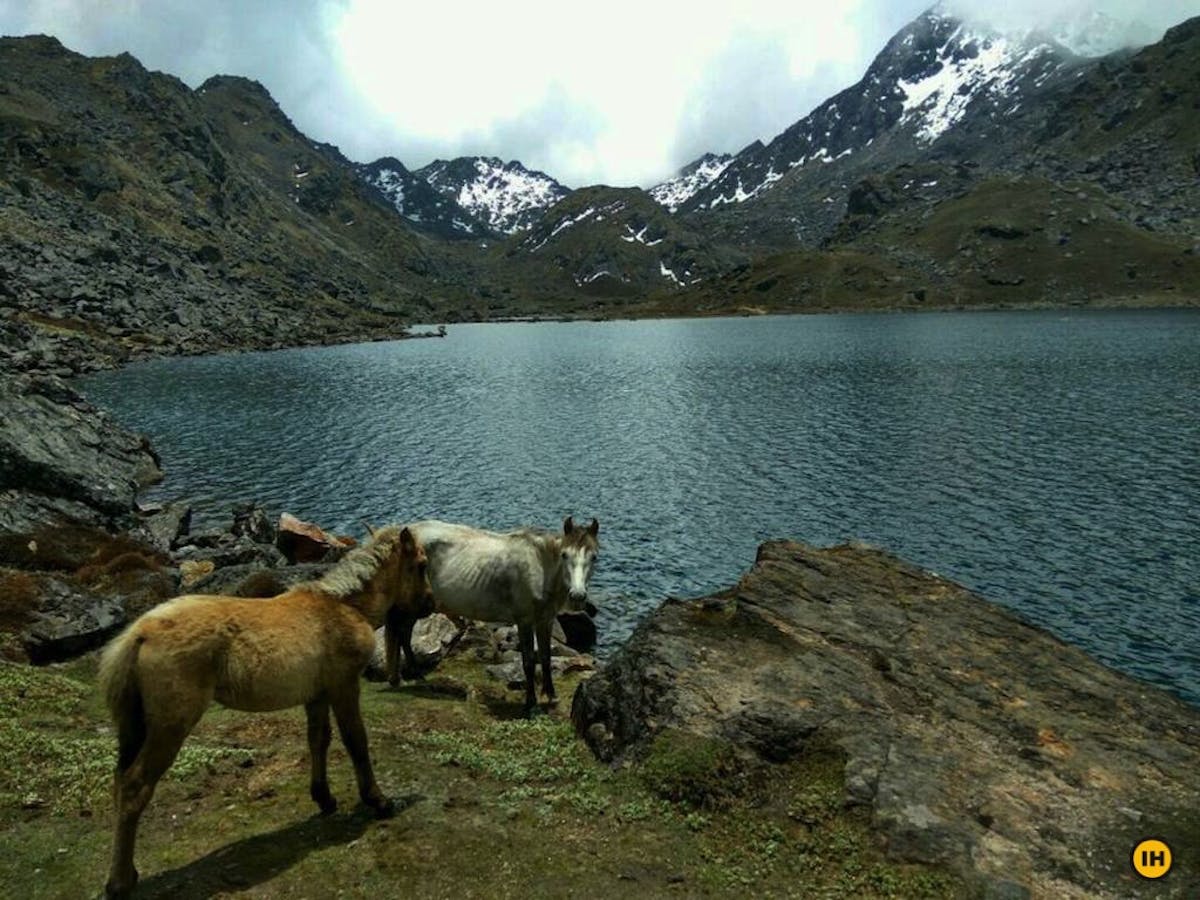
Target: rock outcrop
x=61, y=459
x=975, y=740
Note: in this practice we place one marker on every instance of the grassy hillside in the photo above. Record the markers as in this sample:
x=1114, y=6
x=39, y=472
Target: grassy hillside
x=1011, y=241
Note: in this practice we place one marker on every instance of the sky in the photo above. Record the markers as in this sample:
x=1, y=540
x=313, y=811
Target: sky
x=623, y=93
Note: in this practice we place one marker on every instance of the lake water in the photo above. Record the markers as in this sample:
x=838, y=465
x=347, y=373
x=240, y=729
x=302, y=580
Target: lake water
x=1049, y=460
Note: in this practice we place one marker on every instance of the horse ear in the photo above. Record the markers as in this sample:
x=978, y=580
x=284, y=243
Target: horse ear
x=568, y=525
x=594, y=528
x=407, y=541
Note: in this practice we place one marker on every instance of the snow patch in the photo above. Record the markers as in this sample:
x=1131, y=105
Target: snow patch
x=674, y=193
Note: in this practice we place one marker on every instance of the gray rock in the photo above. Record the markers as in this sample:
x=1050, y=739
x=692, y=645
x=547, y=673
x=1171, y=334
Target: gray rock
x=226, y=550
x=165, y=527
x=432, y=639
x=251, y=520
x=513, y=675
x=975, y=740
x=70, y=620
x=233, y=580
x=56, y=444
x=22, y=512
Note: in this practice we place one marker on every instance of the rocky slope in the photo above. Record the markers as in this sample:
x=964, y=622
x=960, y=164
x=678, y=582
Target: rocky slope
x=149, y=218
x=607, y=242
x=973, y=740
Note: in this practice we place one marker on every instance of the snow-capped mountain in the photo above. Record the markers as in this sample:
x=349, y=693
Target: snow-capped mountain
x=417, y=201
x=693, y=177
x=931, y=76
x=504, y=196
x=467, y=197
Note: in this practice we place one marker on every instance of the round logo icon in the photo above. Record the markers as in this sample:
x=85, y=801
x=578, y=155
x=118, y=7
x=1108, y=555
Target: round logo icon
x=1151, y=858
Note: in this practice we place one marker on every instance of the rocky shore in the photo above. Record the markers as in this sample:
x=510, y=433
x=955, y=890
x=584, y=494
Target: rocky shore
x=973, y=739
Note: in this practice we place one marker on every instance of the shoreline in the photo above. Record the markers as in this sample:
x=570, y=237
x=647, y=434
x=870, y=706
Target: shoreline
x=1132, y=303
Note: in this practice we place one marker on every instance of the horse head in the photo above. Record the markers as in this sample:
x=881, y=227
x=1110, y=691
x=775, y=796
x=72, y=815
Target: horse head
x=579, y=549
x=414, y=594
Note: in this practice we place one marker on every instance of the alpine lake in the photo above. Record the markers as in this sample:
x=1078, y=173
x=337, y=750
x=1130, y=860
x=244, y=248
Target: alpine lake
x=1049, y=460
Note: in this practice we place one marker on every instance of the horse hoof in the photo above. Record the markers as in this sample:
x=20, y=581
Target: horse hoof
x=385, y=809
x=327, y=807
x=118, y=889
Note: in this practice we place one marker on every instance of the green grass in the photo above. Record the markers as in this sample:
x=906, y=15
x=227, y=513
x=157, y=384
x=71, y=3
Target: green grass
x=493, y=806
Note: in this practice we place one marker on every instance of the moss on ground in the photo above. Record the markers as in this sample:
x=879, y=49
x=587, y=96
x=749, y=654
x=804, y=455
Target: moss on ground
x=491, y=806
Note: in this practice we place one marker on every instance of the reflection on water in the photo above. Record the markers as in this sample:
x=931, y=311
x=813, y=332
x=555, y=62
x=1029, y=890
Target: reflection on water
x=1048, y=460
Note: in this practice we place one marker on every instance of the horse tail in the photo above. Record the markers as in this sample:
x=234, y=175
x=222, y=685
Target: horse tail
x=123, y=694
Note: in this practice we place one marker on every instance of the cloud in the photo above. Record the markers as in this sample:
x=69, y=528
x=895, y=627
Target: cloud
x=623, y=93
x=1148, y=18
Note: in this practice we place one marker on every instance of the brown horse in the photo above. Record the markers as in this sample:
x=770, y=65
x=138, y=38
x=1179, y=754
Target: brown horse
x=306, y=646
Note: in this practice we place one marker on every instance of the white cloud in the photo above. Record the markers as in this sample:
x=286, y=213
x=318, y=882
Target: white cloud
x=622, y=92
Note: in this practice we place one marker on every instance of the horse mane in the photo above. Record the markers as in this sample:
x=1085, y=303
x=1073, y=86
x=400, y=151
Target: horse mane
x=354, y=570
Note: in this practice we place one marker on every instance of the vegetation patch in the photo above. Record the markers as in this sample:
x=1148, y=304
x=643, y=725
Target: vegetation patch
x=55, y=755
x=698, y=772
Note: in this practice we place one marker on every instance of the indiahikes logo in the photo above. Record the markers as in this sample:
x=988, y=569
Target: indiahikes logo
x=1151, y=858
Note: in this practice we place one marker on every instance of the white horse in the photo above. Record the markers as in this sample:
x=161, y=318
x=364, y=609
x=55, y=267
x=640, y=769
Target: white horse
x=525, y=577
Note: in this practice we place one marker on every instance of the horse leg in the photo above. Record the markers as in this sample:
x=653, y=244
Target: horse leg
x=319, y=736
x=411, y=670
x=354, y=736
x=528, y=662
x=397, y=639
x=543, y=642
x=391, y=645
x=132, y=790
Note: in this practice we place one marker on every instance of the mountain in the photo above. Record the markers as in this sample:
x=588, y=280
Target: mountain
x=141, y=216
x=967, y=166
x=932, y=75
x=467, y=197
x=504, y=197
x=416, y=200
x=917, y=192
x=690, y=180
x=611, y=242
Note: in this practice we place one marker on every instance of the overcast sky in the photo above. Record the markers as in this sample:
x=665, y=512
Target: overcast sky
x=622, y=92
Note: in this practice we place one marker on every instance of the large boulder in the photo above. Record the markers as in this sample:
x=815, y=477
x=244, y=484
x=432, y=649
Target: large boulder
x=70, y=619
x=55, y=444
x=975, y=740
x=304, y=542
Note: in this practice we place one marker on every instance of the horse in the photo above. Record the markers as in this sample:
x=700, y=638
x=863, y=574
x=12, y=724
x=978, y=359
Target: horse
x=307, y=646
x=525, y=577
